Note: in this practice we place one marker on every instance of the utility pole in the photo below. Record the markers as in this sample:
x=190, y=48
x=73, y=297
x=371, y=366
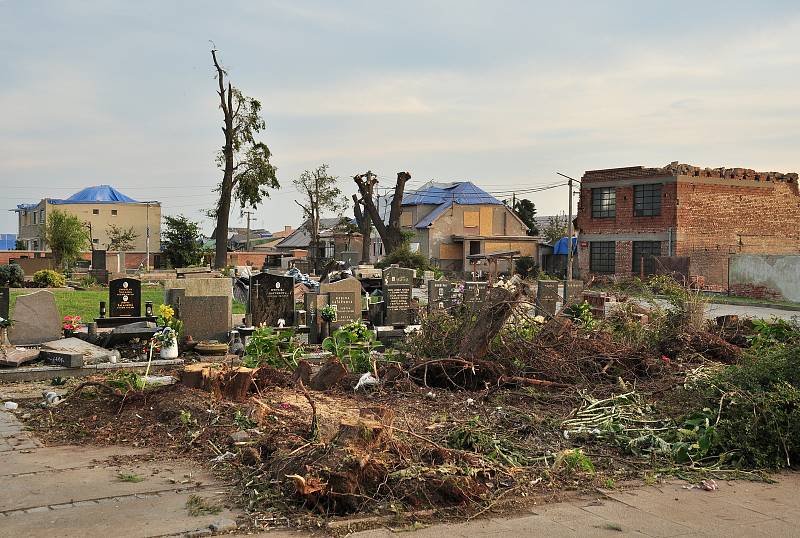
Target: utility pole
x=247, y=243
x=569, y=237
x=147, y=237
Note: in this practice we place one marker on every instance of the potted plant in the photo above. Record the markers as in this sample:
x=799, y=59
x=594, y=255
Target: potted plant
x=167, y=342
x=71, y=325
x=4, y=326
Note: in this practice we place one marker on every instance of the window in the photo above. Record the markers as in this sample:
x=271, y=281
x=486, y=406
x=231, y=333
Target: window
x=95, y=241
x=474, y=247
x=34, y=217
x=604, y=203
x=643, y=251
x=602, y=256
x=95, y=211
x=113, y=212
x=647, y=200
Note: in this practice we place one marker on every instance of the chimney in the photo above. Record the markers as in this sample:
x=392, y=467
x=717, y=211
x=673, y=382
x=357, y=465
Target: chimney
x=287, y=229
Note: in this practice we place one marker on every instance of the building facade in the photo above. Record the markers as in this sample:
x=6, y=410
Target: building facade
x=99, y=208
x=451, y=221
x=628, y=216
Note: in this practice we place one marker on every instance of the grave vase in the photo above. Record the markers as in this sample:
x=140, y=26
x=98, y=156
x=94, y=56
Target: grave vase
x=170, y=351
x=4, y=342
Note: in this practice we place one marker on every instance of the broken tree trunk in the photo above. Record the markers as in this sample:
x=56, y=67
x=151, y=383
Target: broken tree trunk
x=235, y=384
x=329, y=375
x=499, y=306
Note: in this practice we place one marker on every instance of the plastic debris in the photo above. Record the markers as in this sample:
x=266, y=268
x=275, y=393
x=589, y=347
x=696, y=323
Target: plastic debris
x=158, y=380
x=366, y=380
x=10, y=406
x=50, y=398
x=224, y=457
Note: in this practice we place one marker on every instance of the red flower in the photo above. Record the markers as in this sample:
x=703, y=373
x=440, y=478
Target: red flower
x=666, y=359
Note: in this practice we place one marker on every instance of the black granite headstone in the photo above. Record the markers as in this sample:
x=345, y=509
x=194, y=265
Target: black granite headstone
x=474, y=294
x=439, y=295
x=99, y=260
x=125, y=298
x=271, y=299
x=5, y=298
x=397, y=283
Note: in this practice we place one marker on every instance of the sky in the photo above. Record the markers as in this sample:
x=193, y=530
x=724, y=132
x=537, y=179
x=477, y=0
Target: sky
x=501, y=93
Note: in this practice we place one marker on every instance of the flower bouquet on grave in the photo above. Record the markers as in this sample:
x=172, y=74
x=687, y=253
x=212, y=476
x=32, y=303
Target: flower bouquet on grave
x=166, y=318
x=71, y=325
x=166, y=341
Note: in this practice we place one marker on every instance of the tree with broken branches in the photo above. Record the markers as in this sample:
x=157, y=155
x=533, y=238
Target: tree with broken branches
x=320, y=192
x=363, y=218
x=247, y=172
x=390, y=232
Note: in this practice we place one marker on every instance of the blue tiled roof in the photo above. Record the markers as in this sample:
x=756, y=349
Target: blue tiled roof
x=100, y=194
x=445, y=195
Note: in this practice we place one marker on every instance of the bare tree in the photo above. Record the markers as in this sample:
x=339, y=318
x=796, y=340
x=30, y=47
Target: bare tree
x=390, y=232
x=363, y=218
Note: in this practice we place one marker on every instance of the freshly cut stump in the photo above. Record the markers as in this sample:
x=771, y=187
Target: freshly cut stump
x=329, y=375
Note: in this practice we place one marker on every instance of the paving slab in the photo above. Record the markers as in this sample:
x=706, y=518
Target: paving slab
x=60, y=458
x=86, y=484
x=131, y=517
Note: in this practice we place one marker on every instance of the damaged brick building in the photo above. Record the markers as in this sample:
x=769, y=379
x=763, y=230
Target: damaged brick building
x=627, y=217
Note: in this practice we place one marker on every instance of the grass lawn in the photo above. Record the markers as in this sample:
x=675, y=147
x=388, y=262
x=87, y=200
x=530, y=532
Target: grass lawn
x=86, y=303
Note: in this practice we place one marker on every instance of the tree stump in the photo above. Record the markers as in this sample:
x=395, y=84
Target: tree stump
x=199, y=376
x=302, y=373
x=329, y=375
x=235, y=384
x=361, y=433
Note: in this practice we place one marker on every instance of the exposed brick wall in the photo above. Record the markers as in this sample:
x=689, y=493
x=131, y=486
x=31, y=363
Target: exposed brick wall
x=625, y=221
x=757, y=292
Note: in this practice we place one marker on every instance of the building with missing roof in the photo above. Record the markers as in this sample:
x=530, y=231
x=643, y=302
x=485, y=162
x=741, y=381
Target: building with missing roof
x=99, y=207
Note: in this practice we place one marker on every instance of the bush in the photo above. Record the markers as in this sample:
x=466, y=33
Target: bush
x=47, y=278
x=526, y=267
x=11, y=275
x=403, y=257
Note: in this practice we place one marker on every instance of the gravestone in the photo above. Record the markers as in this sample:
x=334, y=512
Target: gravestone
x=574, y=292
x=314, y=302
x=546, y=297
x=204, y=317
x=348, y=309
x=175, y=290
x=36, y=319
x=351, y=304
x=99, y=260
x=125, y=298
x=271, y=299
x=439, y=295
x=397, y=284
x=5, y=300
x=474, y=294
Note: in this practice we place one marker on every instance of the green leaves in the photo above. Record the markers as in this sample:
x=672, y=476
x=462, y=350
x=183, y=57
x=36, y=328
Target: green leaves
x=274, y=348
x=180, y=241
x=66, y=236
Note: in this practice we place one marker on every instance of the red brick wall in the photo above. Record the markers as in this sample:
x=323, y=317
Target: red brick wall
x=740, y=217
x=625, y=221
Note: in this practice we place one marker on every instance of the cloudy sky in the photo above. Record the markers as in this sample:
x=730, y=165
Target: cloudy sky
x=501, y=93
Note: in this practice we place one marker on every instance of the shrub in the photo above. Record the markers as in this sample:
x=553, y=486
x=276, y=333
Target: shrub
x=47, y=278
x=526, y=267
x=403, y=257
x=11, y=275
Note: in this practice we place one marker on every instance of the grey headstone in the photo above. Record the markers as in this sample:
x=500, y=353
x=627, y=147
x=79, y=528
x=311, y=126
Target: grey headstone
x=574, y=292
x=397, y=284
x=5, y=300
x=314, y=302
x=125, y=298
x=271, y=299
x=474, y=294
x=91, y=353
x=546, y=297
x=439, y=295
x=350, y=286
x=36, y=319
x=204, y=317
x=348, y=309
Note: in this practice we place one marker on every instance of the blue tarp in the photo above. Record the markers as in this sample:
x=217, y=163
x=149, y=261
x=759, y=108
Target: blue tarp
x=100, y=194
x=445, y=195
x=561, y=246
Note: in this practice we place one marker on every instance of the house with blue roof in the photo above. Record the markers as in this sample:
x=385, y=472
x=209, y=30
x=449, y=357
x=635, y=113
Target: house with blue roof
x=460, y=226
x=99, y=207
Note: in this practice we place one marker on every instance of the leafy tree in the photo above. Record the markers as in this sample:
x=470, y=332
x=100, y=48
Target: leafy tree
x=121, y=239
x=403, y=257
x=526, y=267
x=19, y=244
x=67, y=237
x=247, y=172
x=320, y=193
x=180, y=241
x=526, y=211
x=556, y=229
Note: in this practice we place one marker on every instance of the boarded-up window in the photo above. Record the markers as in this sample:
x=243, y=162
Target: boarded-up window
x=405, y=218
x=451, y=251
x=472, y=219
x=486, y=220
x=497, y=247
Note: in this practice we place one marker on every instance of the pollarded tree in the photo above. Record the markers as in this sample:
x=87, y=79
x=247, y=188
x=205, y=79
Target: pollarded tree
x=66, y=236
x=320, y=193
x=180, y=241
x=247, y=172
x=391, y=233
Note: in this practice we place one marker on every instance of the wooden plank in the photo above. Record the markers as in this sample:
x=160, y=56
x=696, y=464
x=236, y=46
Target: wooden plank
x=486, y=216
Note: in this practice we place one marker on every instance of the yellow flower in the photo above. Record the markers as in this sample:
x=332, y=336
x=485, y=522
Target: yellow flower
x=166, y=311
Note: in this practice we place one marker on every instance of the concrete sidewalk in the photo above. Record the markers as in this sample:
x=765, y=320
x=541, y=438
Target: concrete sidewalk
x=77, y=491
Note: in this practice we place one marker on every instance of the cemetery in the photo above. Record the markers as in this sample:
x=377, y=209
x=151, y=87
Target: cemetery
x=400, y=398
